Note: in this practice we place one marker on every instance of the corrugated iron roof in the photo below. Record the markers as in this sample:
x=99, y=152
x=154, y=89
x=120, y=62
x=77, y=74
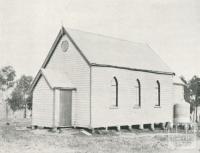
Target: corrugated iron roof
x=99, y=49
x=57, y=79
x=106, y=51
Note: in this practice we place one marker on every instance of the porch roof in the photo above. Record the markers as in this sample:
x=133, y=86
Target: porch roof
x=57, y=79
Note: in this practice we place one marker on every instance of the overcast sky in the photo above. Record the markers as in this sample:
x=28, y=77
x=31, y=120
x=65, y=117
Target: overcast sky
x=171, y=27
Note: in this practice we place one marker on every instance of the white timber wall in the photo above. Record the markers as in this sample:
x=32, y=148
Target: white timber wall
x=126, y=113
x=78, y=72
x=42, y=113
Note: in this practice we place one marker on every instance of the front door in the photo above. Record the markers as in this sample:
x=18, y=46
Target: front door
x=65, y=107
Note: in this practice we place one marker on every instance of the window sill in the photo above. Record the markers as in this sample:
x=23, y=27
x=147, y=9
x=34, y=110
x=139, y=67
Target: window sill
x=114, y=107
x=157, y=106
x=136, y=107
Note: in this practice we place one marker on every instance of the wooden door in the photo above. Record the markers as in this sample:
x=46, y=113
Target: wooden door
x=65, y=107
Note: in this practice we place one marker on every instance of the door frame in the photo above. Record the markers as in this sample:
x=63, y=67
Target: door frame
x=59, y=122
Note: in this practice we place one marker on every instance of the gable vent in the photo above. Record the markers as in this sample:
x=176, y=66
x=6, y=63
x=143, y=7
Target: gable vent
x=64, y=45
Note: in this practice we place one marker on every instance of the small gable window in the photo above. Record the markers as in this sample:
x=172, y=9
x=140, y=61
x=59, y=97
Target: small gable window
x=158, y=93
x=114, y=92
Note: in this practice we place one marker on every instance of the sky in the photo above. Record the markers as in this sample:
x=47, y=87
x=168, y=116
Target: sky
x=171, y=27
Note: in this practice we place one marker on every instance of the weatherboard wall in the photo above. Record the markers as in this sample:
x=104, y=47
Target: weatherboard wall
x=103, y=114
x=42, y=111
x=78, y=72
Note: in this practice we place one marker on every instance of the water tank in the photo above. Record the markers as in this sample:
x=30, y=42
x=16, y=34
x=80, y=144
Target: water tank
x=182, y=113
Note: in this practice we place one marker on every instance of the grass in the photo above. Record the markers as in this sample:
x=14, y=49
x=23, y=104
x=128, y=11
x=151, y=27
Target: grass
x=73, y=141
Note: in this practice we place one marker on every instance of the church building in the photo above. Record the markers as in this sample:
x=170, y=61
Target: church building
x=90, y=80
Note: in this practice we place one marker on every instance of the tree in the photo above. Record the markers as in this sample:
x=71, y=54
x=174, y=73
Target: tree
x=7, y=76
x=16, y=100
x=192, y=92
x=20, y=97
x=186, y=89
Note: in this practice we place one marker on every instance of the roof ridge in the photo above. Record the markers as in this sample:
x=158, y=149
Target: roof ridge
x=106, y=36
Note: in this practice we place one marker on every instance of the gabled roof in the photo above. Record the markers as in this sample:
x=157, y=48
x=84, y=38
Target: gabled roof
x=99, y=50
x=105, y=51
x=56, y=79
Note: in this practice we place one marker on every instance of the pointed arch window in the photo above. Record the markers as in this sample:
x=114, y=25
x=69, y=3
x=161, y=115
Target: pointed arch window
x=158, y=93
x=114, y=94
x=138, y=93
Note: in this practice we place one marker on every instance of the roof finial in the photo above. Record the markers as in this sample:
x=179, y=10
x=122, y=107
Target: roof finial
x=62, y=31
x=61, y=23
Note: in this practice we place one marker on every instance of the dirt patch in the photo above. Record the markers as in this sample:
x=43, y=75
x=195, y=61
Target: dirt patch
x=73, y=141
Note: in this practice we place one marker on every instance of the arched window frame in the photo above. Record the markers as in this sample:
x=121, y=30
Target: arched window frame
x=116, y=90
x=158, y=93
x=138, y=93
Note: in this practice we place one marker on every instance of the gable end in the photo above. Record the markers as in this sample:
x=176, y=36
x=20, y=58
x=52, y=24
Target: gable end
x=61, y=33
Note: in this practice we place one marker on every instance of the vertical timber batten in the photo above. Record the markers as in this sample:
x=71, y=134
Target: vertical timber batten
x=54, y=97
x=90, y=96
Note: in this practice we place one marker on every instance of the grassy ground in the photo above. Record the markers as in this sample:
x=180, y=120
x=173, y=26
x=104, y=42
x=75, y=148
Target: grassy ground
x=14, y=138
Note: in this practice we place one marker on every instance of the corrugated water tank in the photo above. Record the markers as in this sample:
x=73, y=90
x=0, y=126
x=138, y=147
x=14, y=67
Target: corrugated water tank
x=182, y=113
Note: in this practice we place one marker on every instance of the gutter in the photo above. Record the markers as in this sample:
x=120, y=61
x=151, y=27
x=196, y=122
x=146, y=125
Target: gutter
x=133, y=69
